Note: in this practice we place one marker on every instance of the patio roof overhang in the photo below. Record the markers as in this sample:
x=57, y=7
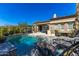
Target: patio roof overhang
x=58, y=20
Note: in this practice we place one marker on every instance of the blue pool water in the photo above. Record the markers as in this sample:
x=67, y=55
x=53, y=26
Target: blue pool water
x=24, y=44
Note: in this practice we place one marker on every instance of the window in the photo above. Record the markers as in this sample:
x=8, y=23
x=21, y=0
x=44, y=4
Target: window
x=59, y=26
x=70, y=25
x=62, y=26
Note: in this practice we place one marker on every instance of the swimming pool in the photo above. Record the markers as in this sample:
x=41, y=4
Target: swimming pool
x=23, y=43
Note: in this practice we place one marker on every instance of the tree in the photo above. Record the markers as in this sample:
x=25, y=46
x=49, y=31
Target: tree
x=2, y=38
x=23, y=27
x=1, y=32
x=29, y=29
x=5, y=31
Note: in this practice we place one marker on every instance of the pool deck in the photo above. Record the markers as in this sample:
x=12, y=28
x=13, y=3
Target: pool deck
x=39, y=34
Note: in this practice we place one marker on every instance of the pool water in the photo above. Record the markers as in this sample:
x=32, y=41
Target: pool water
x=23, y=43
x=28, y=40
x=58, y=52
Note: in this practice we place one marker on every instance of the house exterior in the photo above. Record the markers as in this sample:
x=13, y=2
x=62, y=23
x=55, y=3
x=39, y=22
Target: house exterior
x=65, y=24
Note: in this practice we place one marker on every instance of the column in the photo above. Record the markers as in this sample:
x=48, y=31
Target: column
x=50, y=32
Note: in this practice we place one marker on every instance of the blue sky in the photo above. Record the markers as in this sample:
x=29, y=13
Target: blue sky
x=14, y=13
